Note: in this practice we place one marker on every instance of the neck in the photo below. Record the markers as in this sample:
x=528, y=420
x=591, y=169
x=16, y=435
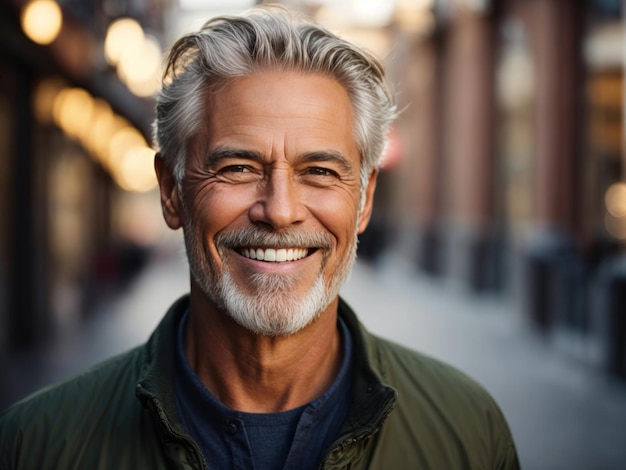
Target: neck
x=256, y=373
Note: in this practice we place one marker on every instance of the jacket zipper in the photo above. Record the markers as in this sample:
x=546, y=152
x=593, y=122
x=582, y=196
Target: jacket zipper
x=188, y=443
x=353, y=440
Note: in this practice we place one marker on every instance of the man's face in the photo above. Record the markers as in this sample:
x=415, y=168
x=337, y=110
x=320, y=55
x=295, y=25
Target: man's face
x=271, y=197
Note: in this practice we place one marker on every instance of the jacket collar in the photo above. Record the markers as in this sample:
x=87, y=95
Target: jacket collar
x=372, y=399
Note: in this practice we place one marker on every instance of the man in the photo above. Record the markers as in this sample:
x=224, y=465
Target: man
x=269, y=130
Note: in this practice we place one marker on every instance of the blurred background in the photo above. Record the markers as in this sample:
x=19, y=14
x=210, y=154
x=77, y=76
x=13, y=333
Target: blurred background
x=497, y=240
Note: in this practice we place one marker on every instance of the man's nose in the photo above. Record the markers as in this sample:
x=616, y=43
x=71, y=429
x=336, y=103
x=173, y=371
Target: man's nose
x=280, y=201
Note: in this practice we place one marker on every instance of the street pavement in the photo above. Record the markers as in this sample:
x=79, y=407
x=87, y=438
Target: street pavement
x=565, y=413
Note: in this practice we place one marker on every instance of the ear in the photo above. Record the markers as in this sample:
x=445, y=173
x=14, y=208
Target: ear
x=366, y=212
x=170, y=203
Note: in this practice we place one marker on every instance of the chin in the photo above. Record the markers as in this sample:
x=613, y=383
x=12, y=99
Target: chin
x=277, y=311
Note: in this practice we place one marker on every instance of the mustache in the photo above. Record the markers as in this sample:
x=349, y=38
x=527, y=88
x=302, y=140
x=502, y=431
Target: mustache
x=262, y=237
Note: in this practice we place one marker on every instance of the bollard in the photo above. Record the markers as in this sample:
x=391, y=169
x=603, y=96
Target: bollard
x=613, y=301
x=429, y=253
x=550, y=279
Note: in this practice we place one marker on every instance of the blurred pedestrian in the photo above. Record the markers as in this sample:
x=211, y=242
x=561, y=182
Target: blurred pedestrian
x=269, y=131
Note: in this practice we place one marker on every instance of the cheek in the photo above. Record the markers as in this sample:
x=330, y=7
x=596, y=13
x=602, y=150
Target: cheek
x=222, y=202
x=215, y=209
x=337, y=212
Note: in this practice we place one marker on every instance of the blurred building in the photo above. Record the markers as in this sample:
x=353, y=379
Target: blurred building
x=74, y=140
x=513, y=176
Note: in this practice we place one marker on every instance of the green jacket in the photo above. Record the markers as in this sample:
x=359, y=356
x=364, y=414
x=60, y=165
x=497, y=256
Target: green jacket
x=408, y=412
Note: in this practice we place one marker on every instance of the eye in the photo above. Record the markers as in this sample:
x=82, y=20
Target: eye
x=320, y=171
x=235, y=169
x=320, y=176
x=238, y=173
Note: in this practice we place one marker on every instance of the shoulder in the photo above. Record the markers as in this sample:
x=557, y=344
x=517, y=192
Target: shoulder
x=419, y=377
x=441, y=413
x=98, y=380
x=74, y=411
x=413, y=371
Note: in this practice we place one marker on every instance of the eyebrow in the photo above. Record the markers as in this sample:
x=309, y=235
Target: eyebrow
x=223, y=152
x=328, y=156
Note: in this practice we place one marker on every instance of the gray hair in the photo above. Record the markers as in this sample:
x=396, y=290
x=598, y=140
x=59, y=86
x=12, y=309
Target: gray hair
x=266, y=38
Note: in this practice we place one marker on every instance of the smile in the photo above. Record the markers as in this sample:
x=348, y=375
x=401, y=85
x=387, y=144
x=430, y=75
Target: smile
x=274, y=255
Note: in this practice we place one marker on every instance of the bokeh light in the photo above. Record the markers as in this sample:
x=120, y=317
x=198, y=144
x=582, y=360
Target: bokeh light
x=615, y=199
x=108, y=137
x=124, y=36
x=135, y=55
x=140, y=69
x=42, y=21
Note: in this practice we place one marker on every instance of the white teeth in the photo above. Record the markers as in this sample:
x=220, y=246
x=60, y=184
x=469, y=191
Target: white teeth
x=270, y=255
x=273, y=255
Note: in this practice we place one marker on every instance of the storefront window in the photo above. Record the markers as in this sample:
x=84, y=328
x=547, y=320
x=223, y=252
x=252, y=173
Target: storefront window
x=604, y=106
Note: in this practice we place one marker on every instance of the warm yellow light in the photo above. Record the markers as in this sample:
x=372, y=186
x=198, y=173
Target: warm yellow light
x=415, y=21
x=43, y=99
x=58, y=107
x=102, y=121
x=130, y=161
x=119, y=147
x=42, y=21
x=144, y=88
x=140, y=68
x=136, y=170
x=72, y=111
x=615, y=200
x=119, y=143
x=417, y=4
x=142, y=63
x=124, y=36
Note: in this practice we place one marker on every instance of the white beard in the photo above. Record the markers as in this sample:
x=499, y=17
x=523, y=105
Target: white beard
x=270, y=304
x=273, y=310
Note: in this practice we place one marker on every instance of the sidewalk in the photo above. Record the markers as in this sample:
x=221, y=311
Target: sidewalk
x=116, y=326
x=564, y=414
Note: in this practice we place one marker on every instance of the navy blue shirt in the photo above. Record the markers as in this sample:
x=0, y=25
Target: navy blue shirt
x=292, y=439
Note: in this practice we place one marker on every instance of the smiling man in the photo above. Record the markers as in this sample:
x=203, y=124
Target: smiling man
x=269, y=130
